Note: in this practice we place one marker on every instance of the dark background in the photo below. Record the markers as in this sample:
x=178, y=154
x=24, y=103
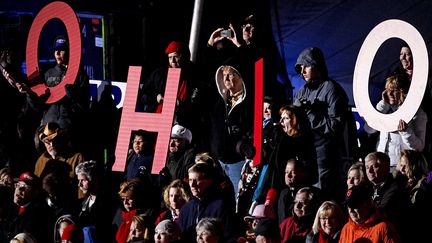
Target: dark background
x=137, y=31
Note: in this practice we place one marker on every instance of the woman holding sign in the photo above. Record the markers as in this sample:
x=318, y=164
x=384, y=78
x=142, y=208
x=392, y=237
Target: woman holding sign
x=409, y=134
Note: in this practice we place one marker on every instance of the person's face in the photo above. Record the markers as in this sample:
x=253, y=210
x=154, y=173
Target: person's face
x=309, y=72
x=291, y=175
x=267, y=110
x=51, y=147
x=174, y=59
x=302, y=205
x=6, y=180
x=83, y=182
x=204, y=236
x=198, y=184
x=136, y=232
x=255, y=222
x=360, y=213
x=128, y=202
x=138, y=144
x=175, y=199
x=329, y=223
x=353, y=178
x=260, y=239
x=161, y=237
x=403, y=166
x=22, y=194
x=62, y=226
x=406, y=59
x=7, y=57
x=248, y=31
x=376, y=171
x=61, y=57
x=176, y=145
x=393, y=95
x=288, y=121
x=231, y=80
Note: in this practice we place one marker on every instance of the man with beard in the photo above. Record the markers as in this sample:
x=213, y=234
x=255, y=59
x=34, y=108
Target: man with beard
x=58, y=157
x=181, y=153
x=32, y=214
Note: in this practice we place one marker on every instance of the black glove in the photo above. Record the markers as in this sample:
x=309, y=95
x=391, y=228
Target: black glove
x=305, y=105
x=71, y=91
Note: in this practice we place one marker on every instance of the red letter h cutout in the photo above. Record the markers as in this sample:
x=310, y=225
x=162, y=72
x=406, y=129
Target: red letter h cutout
x=153, y=122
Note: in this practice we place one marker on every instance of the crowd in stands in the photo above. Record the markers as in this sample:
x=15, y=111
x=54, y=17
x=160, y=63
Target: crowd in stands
x=56, y=183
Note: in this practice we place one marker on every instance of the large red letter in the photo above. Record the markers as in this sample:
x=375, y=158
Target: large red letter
x=155, y=122
x=258, y=113
x=66, y=14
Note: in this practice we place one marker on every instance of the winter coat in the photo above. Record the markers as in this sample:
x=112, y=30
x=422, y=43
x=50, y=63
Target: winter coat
x=229, y=127
x=392, y=143
x=211, y=205
x=68, y=111
x=374, y=230
x=295, y=230
x=326, y=105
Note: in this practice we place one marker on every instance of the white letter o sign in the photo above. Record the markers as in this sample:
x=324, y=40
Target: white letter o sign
x=383, y=31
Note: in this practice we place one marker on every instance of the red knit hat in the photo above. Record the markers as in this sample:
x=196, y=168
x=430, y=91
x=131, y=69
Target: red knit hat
x=174, y=46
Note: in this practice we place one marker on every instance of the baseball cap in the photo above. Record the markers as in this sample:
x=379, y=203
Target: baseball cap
x=356, y=195
x=267, y=227
x=60, y=43
x=29, y=178
x=179, y=131
x=261, y=211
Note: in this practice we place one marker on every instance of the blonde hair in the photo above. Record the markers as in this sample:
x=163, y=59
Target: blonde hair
x=142, y=222
x=360, y=168
x=416, y=164
x=398, y=82
x=184, y=190
x=326, y=209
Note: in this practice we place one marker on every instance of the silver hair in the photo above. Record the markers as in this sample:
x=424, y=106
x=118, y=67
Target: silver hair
x=89, y=168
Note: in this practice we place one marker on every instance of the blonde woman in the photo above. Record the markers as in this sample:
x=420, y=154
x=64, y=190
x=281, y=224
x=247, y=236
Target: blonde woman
x=356, y=175
x=328, y=223
x=140, y=229
x=412, y=171
x=409, y=134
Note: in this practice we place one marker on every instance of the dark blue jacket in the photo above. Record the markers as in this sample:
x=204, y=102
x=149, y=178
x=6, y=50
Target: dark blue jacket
x=211, y=205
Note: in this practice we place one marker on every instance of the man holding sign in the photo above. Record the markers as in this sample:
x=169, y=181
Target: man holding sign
x=68, y=111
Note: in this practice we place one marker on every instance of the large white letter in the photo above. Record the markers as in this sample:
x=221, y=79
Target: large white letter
x=382, y=32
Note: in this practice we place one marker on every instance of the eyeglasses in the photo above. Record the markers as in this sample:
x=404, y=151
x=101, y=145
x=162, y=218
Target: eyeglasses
x=302, y=203
x=124, y=199
x=327, y=218
x=202, y=234
x=22, y=186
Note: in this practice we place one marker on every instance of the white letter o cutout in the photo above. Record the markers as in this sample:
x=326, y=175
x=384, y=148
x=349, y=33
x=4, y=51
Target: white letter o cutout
x=383, y=31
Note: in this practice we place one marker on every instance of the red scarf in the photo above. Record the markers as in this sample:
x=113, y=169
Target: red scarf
x=323, y=237
x=123, y=230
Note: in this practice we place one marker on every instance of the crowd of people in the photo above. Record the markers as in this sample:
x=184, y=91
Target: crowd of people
x=56, y=184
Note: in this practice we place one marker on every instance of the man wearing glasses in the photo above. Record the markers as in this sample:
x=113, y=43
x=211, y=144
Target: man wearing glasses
x=32, y=214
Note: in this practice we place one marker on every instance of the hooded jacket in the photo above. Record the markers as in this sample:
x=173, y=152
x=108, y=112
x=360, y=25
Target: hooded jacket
x=374, y=230
x=229, y=126
x=324, y=100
